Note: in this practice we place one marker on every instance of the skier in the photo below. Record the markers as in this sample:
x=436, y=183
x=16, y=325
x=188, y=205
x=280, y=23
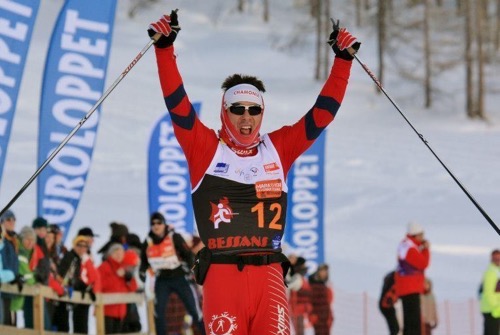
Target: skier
x=239, y=191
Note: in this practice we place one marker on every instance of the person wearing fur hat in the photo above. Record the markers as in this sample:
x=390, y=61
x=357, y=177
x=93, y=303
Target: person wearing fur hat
x=238, y=177
x=413, y=260
x=166, y=254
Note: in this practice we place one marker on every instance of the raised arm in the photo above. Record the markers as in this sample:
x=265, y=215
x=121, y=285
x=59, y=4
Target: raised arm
x=197, y=141
x=292, y=141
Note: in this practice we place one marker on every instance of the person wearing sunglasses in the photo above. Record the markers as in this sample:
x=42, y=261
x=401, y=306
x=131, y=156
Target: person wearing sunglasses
x=238, y=180
x=166, y=255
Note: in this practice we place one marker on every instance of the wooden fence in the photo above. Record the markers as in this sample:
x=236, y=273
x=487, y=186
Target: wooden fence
x=41, y=292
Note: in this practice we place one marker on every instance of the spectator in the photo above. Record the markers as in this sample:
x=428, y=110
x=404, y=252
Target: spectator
x=10, y=261
x=429, y=311
x=119, y=233
x=413, y=259
x=77, y=272
x=61, y=249
x=322, y=300
x=87, y=232
x=300, y=298
x=178, y=320
x=27, y=239
x=132, y=323
x=119, y=279
x=490, y=296
x=40, y=225
x=163, y=252
x=54, y=259
x=388, y=298
x=6, y=275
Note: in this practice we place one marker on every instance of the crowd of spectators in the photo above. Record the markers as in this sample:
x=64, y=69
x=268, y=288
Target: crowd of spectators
x=36, y=254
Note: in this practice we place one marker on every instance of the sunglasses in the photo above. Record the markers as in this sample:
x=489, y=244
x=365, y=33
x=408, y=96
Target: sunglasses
x=240, y=109
x=82, y=245
x=156, y=222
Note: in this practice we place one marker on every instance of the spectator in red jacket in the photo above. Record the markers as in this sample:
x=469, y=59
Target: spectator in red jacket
x=322, y=300
x=119, y=279
x=413, y=259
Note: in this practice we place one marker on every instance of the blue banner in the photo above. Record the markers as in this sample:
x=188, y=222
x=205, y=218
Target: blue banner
x=75, y=73
x=305, y=212
x=17, y=19
x=169, y=186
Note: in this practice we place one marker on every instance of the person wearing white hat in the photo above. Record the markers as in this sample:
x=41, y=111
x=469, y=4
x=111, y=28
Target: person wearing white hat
x=413, y=259
x=238, y=180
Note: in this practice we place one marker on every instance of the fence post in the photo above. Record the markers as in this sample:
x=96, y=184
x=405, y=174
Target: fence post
x=99, y=315
x=365, y=313
x=151, y=316
x=38, y=311
x=472, y=319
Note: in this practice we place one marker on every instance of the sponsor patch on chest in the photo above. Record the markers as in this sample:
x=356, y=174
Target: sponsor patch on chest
x=268, y=189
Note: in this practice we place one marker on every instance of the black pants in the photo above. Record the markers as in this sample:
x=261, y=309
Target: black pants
x=81, y=318
x=60, y=321
x=391, y=319
x=491, y=324
x=112, y=325
x=181, y=286
x=411, y=314
x=9, y=318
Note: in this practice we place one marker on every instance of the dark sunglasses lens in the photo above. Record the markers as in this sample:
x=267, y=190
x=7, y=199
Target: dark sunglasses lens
x=237, y=110
x=254, y=110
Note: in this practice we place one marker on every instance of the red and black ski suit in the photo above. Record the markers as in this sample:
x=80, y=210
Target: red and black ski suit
x=240, y=203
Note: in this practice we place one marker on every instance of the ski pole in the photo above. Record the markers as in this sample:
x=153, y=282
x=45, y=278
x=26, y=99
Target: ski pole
x=154, y=38
x=379, y=85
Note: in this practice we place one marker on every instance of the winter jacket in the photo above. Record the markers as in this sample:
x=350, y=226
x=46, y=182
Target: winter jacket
x=78, y=273
x=412, y=262
x=24, y=257
x=115, y=283
x=6, y=275
x=490, y=297
x=322, y=300
x=184, y=257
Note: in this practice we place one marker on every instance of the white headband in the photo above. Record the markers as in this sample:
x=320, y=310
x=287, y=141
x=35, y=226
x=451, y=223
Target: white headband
x=243, y=92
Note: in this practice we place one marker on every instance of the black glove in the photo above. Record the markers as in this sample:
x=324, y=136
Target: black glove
x=168, y=27
x=128, y=276
x=19, y=280
x=142, y=276
x=341, y=40
x=90, y=292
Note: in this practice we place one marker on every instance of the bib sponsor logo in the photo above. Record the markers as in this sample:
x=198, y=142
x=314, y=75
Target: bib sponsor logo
x=237, y=242
x=221, y=212
x=221, y=168
x=268, y=189
x=271, y=167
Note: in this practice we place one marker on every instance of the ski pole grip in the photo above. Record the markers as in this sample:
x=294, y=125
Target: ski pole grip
x=352, y=51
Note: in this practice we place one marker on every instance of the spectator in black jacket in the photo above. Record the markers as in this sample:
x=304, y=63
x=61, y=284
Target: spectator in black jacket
x=77, y=272
x=10, y=261
x=166, y=254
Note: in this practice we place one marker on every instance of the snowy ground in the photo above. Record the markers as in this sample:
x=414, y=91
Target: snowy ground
x=380, y=175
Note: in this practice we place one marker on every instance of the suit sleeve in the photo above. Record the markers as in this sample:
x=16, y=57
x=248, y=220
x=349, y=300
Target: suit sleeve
x=196, y=140
x=292, y=141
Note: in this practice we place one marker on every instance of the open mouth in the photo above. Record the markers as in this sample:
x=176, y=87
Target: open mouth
x=246, y=130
